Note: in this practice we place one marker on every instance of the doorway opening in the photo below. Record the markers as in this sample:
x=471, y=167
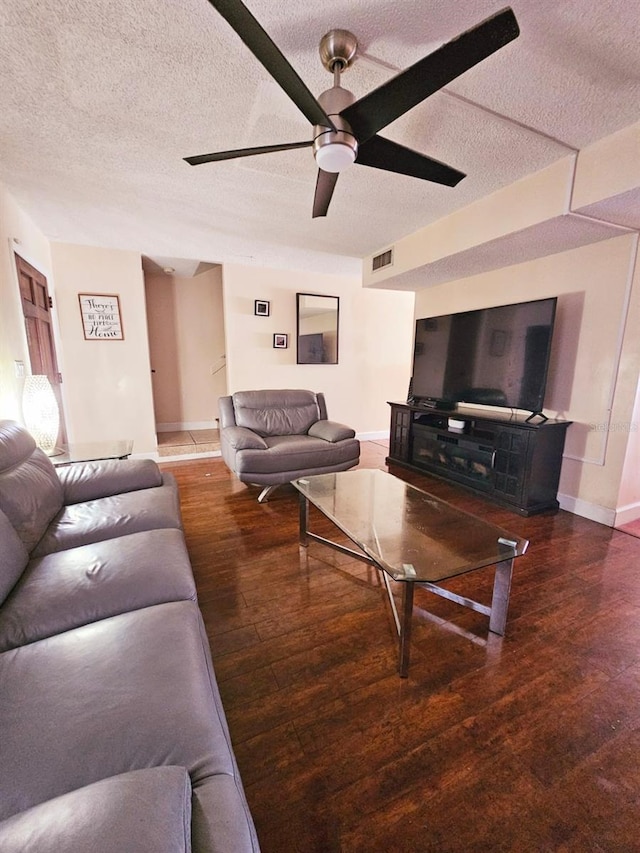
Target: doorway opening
x=185, y=321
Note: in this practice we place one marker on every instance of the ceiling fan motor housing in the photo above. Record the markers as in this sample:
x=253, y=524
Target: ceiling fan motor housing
x=338, y=47
x=334, y=150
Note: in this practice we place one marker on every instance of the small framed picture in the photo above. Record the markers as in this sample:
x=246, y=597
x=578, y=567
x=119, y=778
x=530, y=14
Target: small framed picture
x=280, y=341
x=261, y=308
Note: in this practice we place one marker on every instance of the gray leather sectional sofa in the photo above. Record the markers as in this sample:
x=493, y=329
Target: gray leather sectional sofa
x=112, y=734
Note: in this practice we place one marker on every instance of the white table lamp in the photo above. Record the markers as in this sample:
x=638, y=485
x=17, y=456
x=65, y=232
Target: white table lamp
x=40, y=411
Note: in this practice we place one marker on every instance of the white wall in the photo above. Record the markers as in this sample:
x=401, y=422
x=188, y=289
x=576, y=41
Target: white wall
x=629, y=495
x=593, y=374
x=608, y=167
x=187, y=347
x=107, y=384
x=374, y=346
x=18, y=234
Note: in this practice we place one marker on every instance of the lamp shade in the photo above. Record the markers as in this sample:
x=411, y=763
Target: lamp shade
x=40, y=412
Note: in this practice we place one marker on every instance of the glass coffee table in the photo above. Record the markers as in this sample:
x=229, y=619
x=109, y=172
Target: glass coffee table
x=411, y=537
x=93, y=451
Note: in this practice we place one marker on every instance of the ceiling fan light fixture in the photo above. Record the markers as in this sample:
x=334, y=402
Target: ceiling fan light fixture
x=335, y=156
x=335, y=150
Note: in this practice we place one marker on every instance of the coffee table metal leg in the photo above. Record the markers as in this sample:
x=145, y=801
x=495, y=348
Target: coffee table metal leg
x=304, y=520
x=500, y=599
x=405, y=629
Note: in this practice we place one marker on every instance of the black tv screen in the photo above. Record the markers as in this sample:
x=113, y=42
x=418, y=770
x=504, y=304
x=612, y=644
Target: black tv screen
x=492, y=356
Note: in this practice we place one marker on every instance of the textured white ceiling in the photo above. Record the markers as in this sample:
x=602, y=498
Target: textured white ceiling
x=99, y=103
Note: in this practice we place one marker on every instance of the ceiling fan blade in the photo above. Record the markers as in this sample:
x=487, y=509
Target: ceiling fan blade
x=267, y=52
x=394, y=98
x=244, y=152
x=384, y=154
x=325, y=185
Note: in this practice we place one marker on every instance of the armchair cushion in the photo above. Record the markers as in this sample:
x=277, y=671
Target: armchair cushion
x=330, y=431
x=93, y=480
x=242, y=438
x=291, y=456
x=276, y=412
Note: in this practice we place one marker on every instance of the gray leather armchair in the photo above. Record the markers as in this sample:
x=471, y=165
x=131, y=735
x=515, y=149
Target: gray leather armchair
x=272, y=437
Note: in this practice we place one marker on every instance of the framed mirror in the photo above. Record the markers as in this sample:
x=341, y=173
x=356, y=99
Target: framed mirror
x=317, y=328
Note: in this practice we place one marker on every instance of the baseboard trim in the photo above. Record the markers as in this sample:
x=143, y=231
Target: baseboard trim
x=206, y=454
x=183, y=457
x=373, y=436
x=627, y=514
x=594, y=512
x=187, y=425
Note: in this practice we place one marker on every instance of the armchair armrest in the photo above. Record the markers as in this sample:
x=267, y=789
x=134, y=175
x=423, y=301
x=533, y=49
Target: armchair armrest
x=330, y=431
x=92, y=480
x=243, y=438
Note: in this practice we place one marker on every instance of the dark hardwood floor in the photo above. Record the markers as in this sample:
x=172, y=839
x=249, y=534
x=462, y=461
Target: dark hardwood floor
x=529, y=742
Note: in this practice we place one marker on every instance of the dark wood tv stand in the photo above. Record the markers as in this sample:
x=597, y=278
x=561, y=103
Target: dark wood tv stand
x=512, y=461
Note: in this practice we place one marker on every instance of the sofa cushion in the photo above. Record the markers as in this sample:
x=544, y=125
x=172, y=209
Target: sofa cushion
x=146, y=810
x=70, y=588
x=30, y=490
x=128, y=692
x=106, y=518
x=13, y=557
x=92, y=480
x=268, y=413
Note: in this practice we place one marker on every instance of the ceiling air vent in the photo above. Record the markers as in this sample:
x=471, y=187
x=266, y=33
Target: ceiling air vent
x=383, y=260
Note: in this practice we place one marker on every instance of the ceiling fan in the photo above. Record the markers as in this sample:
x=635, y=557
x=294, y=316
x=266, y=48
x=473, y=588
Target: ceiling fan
x=346, y=130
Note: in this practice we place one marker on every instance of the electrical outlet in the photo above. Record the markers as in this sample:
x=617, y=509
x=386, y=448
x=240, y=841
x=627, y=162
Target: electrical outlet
x=19, y=368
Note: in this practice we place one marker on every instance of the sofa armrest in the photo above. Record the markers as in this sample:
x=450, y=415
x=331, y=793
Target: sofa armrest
x=91, y=480
x=330, y=431
x=243, y=438
x=144, y=810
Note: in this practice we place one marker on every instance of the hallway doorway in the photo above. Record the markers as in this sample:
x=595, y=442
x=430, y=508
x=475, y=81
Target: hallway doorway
x=185, y=320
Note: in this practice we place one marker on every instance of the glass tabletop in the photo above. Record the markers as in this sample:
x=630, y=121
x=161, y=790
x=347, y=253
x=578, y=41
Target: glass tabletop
x=409, y=533
x=92, y=451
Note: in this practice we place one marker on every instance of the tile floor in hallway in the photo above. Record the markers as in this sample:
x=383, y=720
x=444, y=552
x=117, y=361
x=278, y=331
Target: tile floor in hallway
x=182, y=442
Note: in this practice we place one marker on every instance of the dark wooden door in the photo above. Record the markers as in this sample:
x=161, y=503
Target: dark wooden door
x=36, y=307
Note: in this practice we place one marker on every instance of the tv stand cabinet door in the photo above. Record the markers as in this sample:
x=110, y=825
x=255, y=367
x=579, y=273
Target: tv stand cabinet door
x=527, y=466
x=400, y=434
x=510, y=464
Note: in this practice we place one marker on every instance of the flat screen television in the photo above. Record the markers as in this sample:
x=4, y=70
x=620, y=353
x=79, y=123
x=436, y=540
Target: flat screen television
x=492, y=356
